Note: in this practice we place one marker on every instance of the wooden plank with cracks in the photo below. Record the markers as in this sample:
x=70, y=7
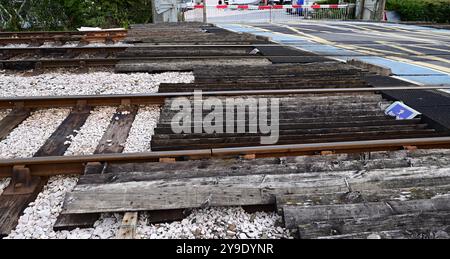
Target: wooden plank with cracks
x=433, y=221
x=239, y=190
x=12, y=120
x=128, y=228
x=56, y=144
x=117, y=133
x=297, y=215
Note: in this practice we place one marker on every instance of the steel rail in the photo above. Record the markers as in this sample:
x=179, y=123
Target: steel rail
x=83, y=36
x=153, y=45
x=56, y=33
x=161, y=58
x=85, y=47
x=48, y=166
x=57, y=63
x=51, y=39
x=159, y=98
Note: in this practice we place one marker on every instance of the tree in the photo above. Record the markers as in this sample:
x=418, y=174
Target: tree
x=71, y=14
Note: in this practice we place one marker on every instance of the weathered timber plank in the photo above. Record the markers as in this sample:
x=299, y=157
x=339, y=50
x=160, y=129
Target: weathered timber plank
x=12, y=120
x=181, y=64
x=70, y=222
x=297, y=215
x=348, y=110
x=436, y=221
x=288, y=132
x=362, y=196
x=419, y=233
x=316, y=120
x=121, y=173
x=247, y=86
x=127, y=229
x=181, y=144
x=56, y=144
x=117, y=132
x=167, y=128
x=238, y=190
x=12, y=206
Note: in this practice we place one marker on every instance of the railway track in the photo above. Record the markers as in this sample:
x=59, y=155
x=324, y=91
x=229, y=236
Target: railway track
x=41, y=50
x=354, y=129
x=332, y=123
x=61, y=38
x=56, y=57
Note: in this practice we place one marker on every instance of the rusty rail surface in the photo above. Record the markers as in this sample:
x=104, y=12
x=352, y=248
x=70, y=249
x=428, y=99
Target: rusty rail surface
x=48, y=166
x=159, y=98
x=46, y=36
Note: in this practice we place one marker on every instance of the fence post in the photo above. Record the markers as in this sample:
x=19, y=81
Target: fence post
x=270, y=16
x=205, y=19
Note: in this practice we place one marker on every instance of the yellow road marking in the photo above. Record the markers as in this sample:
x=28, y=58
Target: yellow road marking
x=311, y=37
x=432, y=48
x=424, y=56
x=375, y=33
x=398, y=29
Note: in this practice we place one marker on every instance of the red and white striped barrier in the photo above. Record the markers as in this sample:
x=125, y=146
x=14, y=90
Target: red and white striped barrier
x=268, y=7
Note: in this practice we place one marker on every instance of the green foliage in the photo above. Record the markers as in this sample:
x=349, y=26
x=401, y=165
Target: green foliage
x=421, y=10
x=71, y=14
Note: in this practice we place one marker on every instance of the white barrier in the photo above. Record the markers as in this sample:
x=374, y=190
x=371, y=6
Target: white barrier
x=267, y=13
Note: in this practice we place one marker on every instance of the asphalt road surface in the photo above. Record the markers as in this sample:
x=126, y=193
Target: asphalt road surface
x=416, y=45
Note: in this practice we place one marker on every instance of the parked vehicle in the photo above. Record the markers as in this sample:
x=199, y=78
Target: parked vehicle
x=242, y=2
x=279, y=2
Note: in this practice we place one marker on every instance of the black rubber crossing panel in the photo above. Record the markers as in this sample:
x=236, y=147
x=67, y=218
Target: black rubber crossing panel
x=283, y=51
x=304, y=60
x=282, y=54
x=439, y=114
x=434, y=105
x=384, y=81
x=420, y=98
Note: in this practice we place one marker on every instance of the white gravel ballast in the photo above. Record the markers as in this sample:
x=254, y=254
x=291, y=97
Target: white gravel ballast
x=28, y=137
x=66, y=83
x=217, y=223
x=228, y=223
x=38, y=219
x=90, y=134
x=142, y=130
x=3, y=114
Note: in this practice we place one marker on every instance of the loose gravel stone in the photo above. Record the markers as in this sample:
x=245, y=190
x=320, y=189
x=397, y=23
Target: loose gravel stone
x=73, y=44
x=38, y=219
x=27, y=138
x=89, y=136
x=66, y=83
x=142, y=130
x=8, y=46
x=217, y=223
x=3, y=184
x=3, y=114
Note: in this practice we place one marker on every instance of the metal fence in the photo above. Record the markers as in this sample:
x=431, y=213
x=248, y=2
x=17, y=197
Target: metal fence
x=268, y=13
